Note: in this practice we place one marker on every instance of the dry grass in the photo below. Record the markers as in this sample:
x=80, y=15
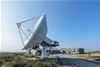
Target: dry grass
x=97, y=58
x=86, y=56
x=20, y=61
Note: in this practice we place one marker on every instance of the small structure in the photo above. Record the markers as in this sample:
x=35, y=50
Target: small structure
x=72, y=51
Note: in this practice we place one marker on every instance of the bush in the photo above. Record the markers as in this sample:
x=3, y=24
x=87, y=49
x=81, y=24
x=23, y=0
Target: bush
x=1, y=62
x=19, y=61
x=97, y=59
x=8, y=64
x=44, y=63
x=19, y=65
x=7, y=58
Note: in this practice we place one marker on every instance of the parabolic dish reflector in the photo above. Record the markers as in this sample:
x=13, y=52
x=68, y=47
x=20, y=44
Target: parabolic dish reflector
x=39, y=33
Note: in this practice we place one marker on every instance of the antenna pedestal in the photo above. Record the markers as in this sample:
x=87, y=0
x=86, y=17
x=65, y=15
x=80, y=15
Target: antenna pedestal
x=44, y=52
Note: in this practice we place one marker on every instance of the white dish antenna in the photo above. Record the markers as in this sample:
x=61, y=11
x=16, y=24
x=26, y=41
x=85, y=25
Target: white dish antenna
x=38, y=35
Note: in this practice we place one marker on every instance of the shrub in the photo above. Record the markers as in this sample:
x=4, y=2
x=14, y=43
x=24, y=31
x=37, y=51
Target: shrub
x=44, y=63
x=1, y=62
x=19, y=61
x=8, y=64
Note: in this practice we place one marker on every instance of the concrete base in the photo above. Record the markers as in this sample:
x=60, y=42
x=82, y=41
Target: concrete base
x=44, y=52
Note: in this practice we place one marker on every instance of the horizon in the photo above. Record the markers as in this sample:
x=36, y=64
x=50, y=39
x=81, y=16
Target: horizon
x=74, y=24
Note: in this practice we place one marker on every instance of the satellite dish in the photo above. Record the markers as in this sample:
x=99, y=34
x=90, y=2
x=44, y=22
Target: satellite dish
x=38, y=36
x=39, y=33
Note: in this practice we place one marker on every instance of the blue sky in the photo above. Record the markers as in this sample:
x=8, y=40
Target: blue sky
x=73, y=23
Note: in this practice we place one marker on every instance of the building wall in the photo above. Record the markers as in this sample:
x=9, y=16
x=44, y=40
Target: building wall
x=72, y=51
